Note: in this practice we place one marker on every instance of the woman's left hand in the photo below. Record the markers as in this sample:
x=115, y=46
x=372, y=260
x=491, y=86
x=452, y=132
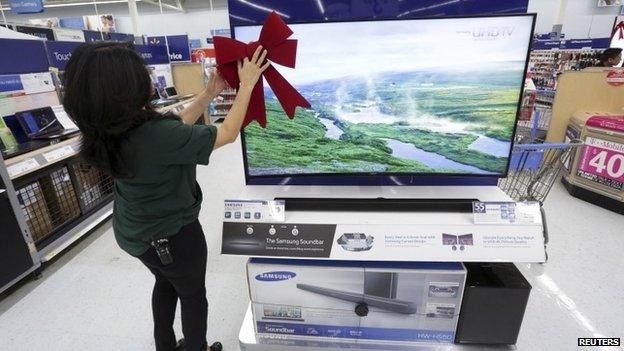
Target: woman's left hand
x=216, y=84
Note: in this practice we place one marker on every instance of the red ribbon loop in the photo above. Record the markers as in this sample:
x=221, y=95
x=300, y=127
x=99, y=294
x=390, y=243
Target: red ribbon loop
x=620, y=28
x=281, y=50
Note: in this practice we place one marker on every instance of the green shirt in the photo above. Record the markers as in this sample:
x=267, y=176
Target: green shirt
x=163, y=194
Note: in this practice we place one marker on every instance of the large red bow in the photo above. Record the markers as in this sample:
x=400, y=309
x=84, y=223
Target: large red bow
x=274, y=38
x=620, y=28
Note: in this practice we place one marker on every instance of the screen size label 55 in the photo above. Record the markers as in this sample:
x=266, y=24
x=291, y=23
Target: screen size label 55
x=506, y=212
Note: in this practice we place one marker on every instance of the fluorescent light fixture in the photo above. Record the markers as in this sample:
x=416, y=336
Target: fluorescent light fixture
x=428, y=7
x=242, y=18
x=263, y=8
x=320, y=6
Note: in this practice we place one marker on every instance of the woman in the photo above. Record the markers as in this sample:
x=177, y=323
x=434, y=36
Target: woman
x=153, y=159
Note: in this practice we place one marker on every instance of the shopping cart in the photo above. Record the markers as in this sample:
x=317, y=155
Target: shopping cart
x=535, y=167
x=537, y=127
x=533, y=170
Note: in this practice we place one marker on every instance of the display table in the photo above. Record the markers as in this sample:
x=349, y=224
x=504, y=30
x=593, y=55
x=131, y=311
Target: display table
x=401, y=236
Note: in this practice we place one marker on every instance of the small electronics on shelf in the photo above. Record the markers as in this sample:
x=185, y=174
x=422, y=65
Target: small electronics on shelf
x=172, y=93
x=42, y=123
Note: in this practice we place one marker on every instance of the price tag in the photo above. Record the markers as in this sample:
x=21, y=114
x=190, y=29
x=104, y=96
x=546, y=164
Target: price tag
x=254, y=211
x=22, y=167
x=506, y=212
x=35, y=83
x=59, y=153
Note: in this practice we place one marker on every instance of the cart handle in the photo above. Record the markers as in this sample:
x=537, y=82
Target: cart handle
x=573, y=143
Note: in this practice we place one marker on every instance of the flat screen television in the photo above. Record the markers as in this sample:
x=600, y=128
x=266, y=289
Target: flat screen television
x=433, y=98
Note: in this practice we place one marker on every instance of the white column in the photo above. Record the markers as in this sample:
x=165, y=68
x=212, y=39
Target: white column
x=3, y=17
x=134, y=17
x=563, y=4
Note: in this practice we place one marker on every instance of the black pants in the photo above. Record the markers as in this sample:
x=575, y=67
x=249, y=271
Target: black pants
x=185, y=279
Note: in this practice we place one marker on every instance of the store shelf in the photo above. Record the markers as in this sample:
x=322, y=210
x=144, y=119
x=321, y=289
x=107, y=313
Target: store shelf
x=174, y=106
x=33, y=161
x=83, y=227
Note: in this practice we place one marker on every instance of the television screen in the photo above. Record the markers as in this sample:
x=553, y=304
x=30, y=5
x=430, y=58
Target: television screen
x=419, y=97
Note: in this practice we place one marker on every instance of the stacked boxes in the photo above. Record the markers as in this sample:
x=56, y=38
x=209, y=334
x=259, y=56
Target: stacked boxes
x=356, y=301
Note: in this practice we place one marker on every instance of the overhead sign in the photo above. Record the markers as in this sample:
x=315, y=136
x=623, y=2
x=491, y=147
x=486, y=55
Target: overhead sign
x=59, y=53
x=221, y=32
x=179, y=48
x=26, y=6
x=152, y=54
x=595, y=43
x=195, y=43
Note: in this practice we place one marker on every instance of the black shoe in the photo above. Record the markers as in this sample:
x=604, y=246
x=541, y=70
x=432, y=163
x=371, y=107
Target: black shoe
x=180, y=346
x=216, y=347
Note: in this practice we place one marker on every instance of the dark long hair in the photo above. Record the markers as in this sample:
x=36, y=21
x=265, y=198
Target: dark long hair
x=107, y=93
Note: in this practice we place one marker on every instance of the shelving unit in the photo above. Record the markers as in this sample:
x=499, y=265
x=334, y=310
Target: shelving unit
x=49, y=198
x=545, y=67
x=220, y=109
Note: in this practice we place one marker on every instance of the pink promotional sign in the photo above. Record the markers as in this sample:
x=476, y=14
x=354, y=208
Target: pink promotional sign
x=602, y=162
x=615, y=77
x=615, y=123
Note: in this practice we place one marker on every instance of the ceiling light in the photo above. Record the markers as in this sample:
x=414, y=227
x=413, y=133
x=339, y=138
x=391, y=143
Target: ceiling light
x=263, y=8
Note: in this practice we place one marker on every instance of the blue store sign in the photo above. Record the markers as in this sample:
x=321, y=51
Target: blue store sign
x=11, y=82
x=92, y=36
x=179, y=49
x=26, y=56
x=26, y=6
x=153, y=54
x=121, y=37
x=59, y=52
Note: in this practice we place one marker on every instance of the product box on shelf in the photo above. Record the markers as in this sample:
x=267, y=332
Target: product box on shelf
x=64, y=195
x=7, y=140
x=350, y=301
x=35, y=210
x=598, y=166
x=90, y=184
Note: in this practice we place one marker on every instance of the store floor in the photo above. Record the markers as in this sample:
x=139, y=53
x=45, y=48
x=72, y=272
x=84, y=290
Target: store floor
x=95, y=297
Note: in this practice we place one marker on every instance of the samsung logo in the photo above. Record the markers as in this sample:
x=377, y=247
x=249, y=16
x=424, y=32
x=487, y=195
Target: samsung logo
x=275, y=276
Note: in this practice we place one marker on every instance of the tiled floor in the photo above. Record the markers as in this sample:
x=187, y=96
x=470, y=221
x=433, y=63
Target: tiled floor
x=95, y=297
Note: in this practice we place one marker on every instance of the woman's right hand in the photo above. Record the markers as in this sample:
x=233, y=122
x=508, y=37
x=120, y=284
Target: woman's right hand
x=249, y=71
